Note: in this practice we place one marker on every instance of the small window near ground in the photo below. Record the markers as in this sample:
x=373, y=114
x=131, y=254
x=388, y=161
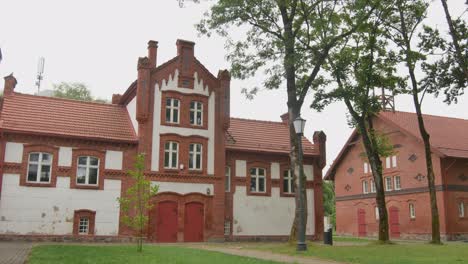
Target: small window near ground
x=195, y=156
x=397, y=182
x=87, y=170
x=412, y=211
x=196, y=113
x=227, y=228
x=288, y=183
x=83, y=227
x=388, y=184
x=365, y=189
x=227, y=183
x=461, y=209
x=39, y=167
x=257, y=180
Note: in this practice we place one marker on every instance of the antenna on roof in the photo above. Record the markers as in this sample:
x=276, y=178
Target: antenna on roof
x=386, y=98
x=40, y=71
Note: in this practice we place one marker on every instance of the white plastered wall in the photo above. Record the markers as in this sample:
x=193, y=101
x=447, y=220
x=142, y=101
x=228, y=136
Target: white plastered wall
x=13, y=152
x=268, y=215
x=114, y=160
x=309, y=172
x=184, y=188
x=65, y=156
x=131, y=109
x=158, y=129
x=44, y=210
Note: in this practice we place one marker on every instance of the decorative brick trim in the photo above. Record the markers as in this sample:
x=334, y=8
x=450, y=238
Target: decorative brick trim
x=10, y=167
x=28, y=148
x=266, y=167
x=101, y=155
x=91, y=215
x=174, y=177
x=183, y=154
x=184, y=108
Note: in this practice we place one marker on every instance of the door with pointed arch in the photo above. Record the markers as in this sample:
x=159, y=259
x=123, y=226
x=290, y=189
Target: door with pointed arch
x=194, y=222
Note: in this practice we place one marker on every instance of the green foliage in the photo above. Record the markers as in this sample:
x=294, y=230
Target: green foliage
x=329, y=201
x=75, y=91
x=383, y=145
x=136, y=201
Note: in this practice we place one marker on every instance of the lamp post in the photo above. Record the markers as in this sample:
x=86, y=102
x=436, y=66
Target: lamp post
x=299, y=125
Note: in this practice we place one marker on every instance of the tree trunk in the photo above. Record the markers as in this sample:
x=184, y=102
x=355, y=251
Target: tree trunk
x=455, y=38
x=422, y=129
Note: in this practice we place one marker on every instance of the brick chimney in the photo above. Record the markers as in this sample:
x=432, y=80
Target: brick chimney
x=285, y=118
x=224, y=78
x=116, y=98
x=153, y=52
x=143, y=89
x=320, y=139
x=10, y=84
x=185, y=51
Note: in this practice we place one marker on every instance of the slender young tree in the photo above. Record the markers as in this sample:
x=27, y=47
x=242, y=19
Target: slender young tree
x=403, y=25
x=289, y=40
x=136, y=203
x=359, y=67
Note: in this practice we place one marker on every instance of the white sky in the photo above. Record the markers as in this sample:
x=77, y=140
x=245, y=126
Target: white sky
x=99, y=42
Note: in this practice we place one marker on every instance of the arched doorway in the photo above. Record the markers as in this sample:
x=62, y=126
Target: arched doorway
x=394, y=222
x=362, y=222
x=166, y=226
x=194, y=222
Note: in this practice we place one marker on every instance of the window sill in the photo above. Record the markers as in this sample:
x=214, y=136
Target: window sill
x=287, y=194
x=258, y=194
x=38, y=184
x=88, y=187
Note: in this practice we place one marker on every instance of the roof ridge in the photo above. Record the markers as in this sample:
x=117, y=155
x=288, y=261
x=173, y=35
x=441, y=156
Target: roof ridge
x=65, y=99
x=448, y=117
x=257, y=120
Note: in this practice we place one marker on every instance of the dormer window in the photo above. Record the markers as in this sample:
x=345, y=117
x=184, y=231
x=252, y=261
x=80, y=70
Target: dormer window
x=39, y=167
x=172, y=110
x=196, y=113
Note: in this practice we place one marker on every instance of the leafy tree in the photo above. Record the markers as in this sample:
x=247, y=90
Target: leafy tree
x=136, y=203
x=329, y=201
x=77, y=91
x=361, y=65
x=289, y=40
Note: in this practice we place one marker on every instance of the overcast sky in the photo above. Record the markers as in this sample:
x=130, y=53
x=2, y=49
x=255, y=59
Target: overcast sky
x=98, y=43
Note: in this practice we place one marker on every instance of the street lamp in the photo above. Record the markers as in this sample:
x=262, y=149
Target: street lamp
x=299, y=125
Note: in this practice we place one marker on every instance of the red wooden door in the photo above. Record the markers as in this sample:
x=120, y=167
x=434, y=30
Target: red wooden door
x=193, y=228
x=394, y=222
x=167, y=222
x=362, y=222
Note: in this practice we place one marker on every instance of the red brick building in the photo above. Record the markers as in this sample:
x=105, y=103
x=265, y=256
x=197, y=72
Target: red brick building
x=405, y=180
x=63, y=163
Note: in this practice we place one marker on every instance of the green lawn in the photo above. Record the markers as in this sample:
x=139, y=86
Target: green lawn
x=412, y=253
x=351, y=239
x=72, y=254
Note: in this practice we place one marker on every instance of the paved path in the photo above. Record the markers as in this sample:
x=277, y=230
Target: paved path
x=14, y=252
x=265, y=255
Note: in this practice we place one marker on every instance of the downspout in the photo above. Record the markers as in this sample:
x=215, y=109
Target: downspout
x=2, y=156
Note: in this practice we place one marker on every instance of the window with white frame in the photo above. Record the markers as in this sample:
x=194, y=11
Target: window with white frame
x=83, y=226
x=195, y=156
x=196, y=113
x=87, y=170
x=227, y=183
x=391, y=162
x=366, y=167
x=257, y=180
x=171, y=157
x=227, y=228
x=461, y=209
x=172, y=110
x=372, y=186
x=388, y=184
x=365, y=186
x=412, y=211
x=397, y=183
x=288, y=183
x=376, y=213
x=39, y=167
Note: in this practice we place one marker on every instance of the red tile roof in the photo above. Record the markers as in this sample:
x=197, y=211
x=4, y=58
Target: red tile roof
x=264, y=136
x=449, y=136
x=64, y=117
